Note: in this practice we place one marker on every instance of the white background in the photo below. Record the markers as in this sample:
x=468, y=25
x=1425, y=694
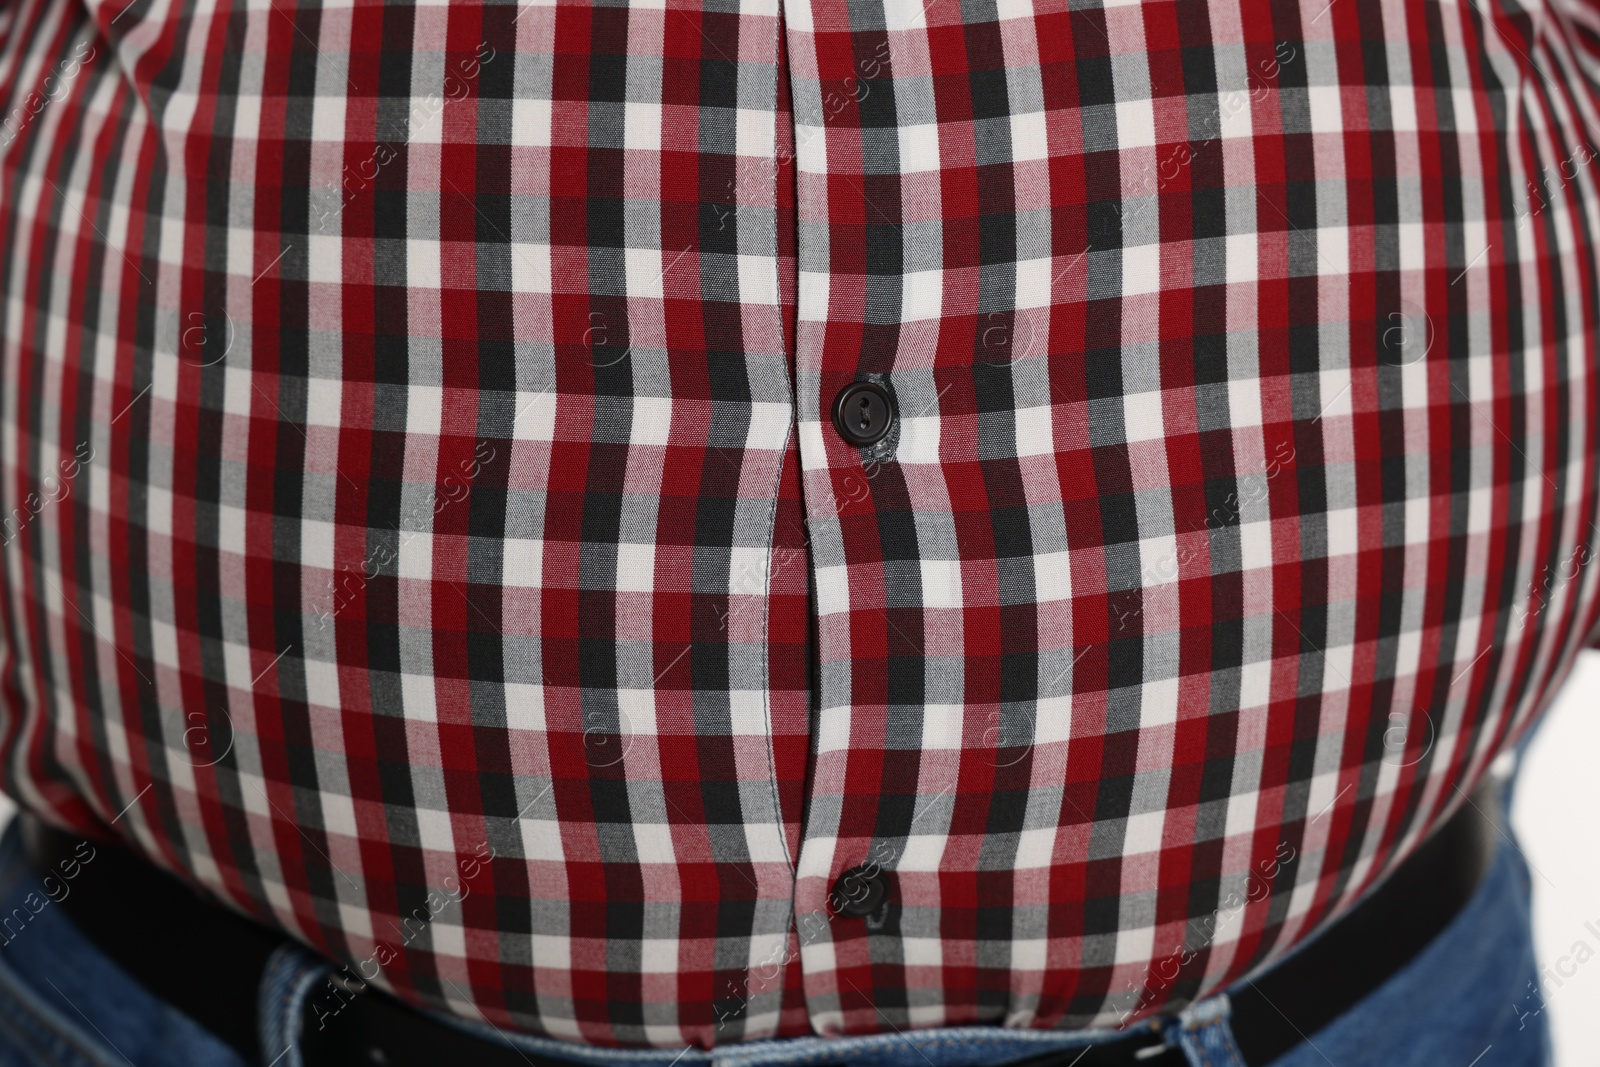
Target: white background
x=1556, y=813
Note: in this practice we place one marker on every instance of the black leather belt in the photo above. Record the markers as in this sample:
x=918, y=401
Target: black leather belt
x=207, y=961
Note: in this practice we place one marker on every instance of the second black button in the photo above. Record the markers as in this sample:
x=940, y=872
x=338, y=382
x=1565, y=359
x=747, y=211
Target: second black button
x=863, y=413
x=859, y=892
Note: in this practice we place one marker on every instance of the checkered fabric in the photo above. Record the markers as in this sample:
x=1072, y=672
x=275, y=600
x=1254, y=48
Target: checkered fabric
x=423, y=526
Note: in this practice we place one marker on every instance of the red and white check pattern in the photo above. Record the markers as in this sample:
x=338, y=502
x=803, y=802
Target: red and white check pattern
x=422, y=524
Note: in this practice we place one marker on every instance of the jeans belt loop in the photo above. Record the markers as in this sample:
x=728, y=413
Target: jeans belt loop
x=286, y=983
x=1205, y=1034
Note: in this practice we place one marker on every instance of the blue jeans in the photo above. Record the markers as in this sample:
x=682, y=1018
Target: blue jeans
x=1465, y=1001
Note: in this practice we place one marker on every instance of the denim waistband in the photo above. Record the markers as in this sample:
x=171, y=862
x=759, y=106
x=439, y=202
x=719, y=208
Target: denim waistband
x=1201, y=1032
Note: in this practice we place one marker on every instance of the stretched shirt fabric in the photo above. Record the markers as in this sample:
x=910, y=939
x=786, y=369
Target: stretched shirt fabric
x=424, y=526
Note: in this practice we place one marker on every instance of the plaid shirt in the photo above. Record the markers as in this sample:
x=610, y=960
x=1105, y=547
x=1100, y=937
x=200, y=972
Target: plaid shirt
x=424, y=526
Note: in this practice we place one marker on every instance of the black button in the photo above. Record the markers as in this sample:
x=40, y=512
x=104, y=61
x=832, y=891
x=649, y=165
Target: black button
x=859, y=892
x=863, y=413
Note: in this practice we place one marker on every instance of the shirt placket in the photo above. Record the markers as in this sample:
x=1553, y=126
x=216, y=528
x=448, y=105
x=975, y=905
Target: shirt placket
x=927, y=260
x=887, y=737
